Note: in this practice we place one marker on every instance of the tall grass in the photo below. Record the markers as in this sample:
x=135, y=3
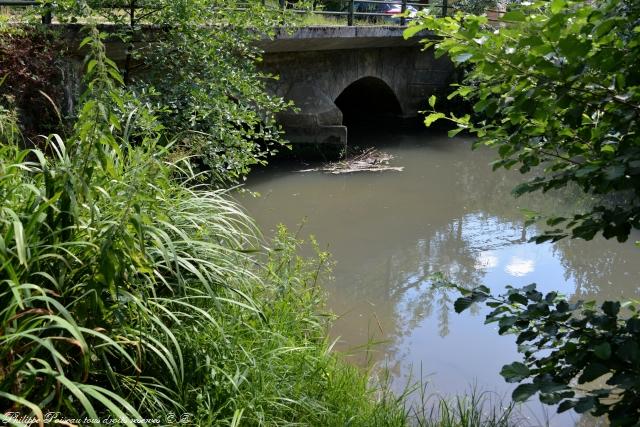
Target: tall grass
x=129, y=290
x=474, y=409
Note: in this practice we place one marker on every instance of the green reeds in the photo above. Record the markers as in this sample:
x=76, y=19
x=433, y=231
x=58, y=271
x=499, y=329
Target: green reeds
x=476, y=408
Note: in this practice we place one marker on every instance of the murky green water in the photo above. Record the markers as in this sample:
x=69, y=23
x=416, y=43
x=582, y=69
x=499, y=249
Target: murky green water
x=447, y=212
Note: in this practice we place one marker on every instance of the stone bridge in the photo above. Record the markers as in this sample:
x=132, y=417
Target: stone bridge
x=334, y=75
x=340, y=75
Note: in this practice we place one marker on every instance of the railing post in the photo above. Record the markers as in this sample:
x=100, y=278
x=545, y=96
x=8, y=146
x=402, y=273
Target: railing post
x=403, y=10
x=350, y=16
x=47, y=15
x=445, y=7
x=47, y=18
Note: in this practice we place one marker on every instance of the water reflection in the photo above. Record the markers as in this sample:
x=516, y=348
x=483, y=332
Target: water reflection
x=447, y=212
x=604, y=276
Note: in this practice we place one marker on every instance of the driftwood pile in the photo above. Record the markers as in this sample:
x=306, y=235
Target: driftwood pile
x=370, y=160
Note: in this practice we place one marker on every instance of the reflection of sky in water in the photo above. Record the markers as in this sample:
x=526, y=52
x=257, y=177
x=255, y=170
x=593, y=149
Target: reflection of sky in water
x=519, y=267
x=447, y=212
x=486, y=260
x=472, y=352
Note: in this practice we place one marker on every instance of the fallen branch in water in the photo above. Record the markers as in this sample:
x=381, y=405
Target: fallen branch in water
x=371, y=160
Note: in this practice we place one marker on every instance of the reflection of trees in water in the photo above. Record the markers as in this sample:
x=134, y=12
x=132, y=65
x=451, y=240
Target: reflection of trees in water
x=430, y=299
x=493, y=220
x=411, y=268
x=455, y=251
x=486, y=219
x=600, y=269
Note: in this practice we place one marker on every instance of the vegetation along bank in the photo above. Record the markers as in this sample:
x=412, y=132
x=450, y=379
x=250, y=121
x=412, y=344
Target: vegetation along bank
x=132, y=287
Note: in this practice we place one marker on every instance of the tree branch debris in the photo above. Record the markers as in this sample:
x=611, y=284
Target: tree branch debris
x=370, y=160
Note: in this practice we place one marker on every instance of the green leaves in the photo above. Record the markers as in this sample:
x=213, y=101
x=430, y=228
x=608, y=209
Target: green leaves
x=565, y=344
x=592, y=372
x=629, y=351
x=431, y=118
x=557, y=5
x=523, y=392
x=461, y=304
x=614, y=173
x=603, y=351
x=515, y=372
x=556, y=92
x=478, y=294
x=572, y=47
x=584, y=404
x=514, y=16
x=611, y=308
x=18, y=236
x=412, y=30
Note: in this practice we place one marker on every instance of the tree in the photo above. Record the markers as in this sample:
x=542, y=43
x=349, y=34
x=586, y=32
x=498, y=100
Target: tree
x=196, y=63
x=555, y=88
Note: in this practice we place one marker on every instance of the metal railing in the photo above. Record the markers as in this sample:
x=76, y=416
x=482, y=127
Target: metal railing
x=46, y=16
x=355, y=10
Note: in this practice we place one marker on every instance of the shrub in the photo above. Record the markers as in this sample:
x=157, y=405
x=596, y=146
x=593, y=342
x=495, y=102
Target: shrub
x=31, y=71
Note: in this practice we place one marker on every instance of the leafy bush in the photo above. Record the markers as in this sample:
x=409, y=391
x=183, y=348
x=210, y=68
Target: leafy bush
x=197, y=63
x=556, y=92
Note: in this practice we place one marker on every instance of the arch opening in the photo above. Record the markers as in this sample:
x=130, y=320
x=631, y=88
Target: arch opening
x=366, y=100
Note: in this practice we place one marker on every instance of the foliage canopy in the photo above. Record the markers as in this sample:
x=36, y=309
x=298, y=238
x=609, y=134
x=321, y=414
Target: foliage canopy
x=196, y=63
x=556, y=89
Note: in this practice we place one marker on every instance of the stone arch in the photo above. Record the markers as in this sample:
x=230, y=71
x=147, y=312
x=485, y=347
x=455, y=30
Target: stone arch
x=315, y=118
x=368, y=98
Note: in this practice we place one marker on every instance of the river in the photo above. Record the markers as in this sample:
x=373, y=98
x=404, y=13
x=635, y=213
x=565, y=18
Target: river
x=446, y=212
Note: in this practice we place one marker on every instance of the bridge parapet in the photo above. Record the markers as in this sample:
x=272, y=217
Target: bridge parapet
x=317, y=64
x=336, y=38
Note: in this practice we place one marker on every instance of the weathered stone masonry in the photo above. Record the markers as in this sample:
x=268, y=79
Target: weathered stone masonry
x=317, y=64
